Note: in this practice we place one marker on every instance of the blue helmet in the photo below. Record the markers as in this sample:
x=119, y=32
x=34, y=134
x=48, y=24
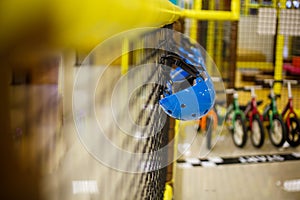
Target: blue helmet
x=191, y=91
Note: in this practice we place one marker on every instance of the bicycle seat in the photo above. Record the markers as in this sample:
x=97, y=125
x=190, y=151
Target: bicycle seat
x=195, y=95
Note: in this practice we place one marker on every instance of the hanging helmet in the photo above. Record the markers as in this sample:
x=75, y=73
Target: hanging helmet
x=196, y=95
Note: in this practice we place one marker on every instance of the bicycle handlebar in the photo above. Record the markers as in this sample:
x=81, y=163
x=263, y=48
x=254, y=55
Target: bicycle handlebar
x=285, y=81
x=272, y=81
x=251, y=87
x=234, y=90
x=289, y=83
x=230, y=91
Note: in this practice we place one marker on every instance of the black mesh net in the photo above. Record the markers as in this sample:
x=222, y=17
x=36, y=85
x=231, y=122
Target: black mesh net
x=127, y=130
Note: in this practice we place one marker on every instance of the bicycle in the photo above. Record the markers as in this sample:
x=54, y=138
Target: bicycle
x=236, y=120
x=254, y=118
x=276, y=127
x=290, y=117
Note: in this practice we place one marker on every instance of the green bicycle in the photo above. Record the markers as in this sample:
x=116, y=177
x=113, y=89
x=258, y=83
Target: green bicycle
x=236, y=120
x=276, y=126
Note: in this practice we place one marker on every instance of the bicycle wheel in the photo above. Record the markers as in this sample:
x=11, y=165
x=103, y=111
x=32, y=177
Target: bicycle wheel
x=257, y=132
x=239, y=132
x=277, y=132
x=293, y=132
x=209, y=130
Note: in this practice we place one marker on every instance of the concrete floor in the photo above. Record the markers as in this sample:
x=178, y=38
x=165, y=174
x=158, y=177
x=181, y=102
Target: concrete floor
x=255, y=180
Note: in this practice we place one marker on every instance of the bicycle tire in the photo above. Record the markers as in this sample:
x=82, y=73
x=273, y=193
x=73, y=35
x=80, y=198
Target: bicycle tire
x=257, y=132
x=293, y=133
x=239, y=132
x=277, y=132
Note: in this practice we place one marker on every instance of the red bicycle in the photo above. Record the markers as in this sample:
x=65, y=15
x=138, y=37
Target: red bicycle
x=254, y=118
x=290, y=117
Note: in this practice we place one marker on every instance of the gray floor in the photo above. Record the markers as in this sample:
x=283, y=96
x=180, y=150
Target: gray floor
x=273, y=180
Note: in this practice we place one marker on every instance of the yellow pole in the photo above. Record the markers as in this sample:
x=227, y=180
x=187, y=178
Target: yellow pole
x=176, y=130
x=210, y=39
x=274, y=3
x=246, y=7
x=279, y=53
x=194, y=23
x=219, y=41
x=125, y=56
x=168, y=193
x=278, y=62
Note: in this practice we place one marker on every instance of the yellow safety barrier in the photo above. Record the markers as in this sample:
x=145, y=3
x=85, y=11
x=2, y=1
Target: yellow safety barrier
x=84, y=24
x=81, y=24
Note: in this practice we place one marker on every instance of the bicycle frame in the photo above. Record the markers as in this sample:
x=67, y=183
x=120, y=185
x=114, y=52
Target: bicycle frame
x=237, y=120
x=276, y=127
x=271, y=109
x=251, y=109
x=235, y=108
x=253, y=115
x=289, y=111
x=290, y=117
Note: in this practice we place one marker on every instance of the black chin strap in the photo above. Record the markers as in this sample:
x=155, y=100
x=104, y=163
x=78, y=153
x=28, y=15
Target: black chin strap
x=175, y=59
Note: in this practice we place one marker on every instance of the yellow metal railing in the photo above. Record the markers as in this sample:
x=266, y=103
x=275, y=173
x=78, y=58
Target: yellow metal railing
x=85, y=24
x=268, y=66
x=80, y=24
x=232, y=15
